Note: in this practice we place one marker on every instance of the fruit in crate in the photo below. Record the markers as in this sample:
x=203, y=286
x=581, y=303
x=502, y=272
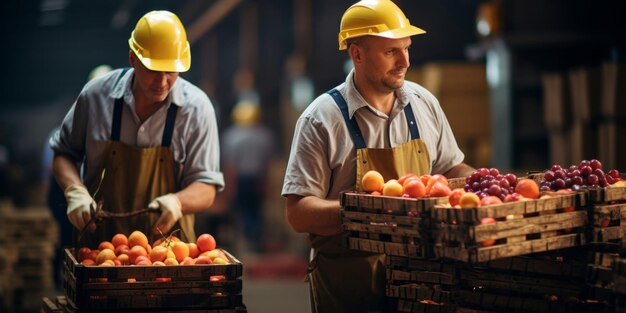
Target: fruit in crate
x=372, y=181
x=168, y=250
x=486, y=182
x=586, y=174
x=527, y=188
x=393, y=188
x=414, y=188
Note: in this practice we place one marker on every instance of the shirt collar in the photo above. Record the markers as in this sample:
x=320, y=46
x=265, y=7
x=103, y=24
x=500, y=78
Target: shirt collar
x=355, y=101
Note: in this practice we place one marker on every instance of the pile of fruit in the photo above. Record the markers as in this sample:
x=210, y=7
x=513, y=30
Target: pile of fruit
x=408, y=186
x=586, y=174
x=136, y=250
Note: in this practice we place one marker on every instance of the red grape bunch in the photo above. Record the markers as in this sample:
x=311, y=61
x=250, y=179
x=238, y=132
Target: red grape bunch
x=489, y=182
x=587, y=174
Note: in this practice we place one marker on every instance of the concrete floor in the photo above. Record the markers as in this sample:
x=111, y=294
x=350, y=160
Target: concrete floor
x=261, y=296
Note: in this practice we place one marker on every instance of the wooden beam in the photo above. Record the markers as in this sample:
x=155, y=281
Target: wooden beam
x=209, y=18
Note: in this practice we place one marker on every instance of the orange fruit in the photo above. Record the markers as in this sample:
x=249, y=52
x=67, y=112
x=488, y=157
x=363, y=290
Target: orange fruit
x=372, y=181
x=119, y=239
x=439, y=189
x=393, y=188
x=124, y=259
x=437, y=178
x=527, y=188
x=83, y=253
x=88, y=262
x=469, y=200
x=170, y=261
x=121, y=249
x=205, y=242
x=137, y=238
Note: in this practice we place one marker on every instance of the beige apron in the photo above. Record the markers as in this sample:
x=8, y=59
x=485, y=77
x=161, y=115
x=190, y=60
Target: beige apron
x=344, y=280
x=133, y=177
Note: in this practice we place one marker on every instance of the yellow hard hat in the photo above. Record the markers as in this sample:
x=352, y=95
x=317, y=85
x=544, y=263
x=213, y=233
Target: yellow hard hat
x=246, y=113
x=377, y=18
x=160, y=42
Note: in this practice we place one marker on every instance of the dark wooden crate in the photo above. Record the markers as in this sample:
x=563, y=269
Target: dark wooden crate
x=108, y=288
x=389, y=225
x=60, y=304
x=458, y=233
x=418, y=280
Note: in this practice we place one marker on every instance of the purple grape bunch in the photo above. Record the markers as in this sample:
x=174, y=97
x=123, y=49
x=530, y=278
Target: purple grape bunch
x=490, y=182
x=586, y=174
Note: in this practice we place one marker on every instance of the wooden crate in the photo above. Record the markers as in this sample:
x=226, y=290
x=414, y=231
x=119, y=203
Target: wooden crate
x=390, y=225
x=416, y=284
x=606, y=195
x=540, y=225
x=98, y=288
x=28, y=225
x=60, y=304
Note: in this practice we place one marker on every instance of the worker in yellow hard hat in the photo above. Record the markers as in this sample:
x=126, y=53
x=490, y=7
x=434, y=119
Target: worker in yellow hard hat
x=375, y=120
x=141, y=137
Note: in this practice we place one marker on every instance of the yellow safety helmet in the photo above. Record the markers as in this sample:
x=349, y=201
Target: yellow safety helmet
x=160, y=42
x=246, y=113
x=377, y=18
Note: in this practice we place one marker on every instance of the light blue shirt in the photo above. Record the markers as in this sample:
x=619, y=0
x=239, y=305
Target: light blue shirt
x=195, y=143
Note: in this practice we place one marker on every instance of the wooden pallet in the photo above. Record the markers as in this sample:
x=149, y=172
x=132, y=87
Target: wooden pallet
x=191, y=287
x=459, y=234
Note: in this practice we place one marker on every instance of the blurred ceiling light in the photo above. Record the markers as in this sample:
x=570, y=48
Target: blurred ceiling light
x=52, y=12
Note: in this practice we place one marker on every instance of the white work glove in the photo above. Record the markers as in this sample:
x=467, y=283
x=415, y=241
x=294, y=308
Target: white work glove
x=79, y=204
x=171, y=211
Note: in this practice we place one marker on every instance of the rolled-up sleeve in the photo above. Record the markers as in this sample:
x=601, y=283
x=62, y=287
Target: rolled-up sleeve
x=70, y=137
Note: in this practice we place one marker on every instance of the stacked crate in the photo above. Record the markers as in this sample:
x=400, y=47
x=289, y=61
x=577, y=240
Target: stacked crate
x=27, y=236
x=175, y=288
x=523, y=227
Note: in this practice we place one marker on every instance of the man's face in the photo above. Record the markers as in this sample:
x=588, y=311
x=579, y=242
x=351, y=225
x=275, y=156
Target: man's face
x=154, y=86
x=384, y=61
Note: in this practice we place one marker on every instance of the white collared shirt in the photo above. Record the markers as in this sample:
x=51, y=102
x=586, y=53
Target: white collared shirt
x=195, y=143
x=322, y=160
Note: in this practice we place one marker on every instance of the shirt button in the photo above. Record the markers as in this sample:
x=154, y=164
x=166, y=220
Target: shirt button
x=141, y=128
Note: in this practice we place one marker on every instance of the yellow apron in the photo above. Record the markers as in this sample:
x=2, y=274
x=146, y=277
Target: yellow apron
x=345, y=280
x=133, y=177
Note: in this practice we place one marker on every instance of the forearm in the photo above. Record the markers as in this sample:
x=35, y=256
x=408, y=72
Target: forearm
x=314, y=215
x=196, y=197
x=65, y=171
x=461, y=170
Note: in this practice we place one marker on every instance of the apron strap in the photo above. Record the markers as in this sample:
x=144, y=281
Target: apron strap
x=353, y=127
x=169, y=125
x=117, y=111
x=411, y=122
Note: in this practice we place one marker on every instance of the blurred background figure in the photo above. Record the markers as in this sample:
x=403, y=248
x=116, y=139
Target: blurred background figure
x=248, y=148
x=54, y=197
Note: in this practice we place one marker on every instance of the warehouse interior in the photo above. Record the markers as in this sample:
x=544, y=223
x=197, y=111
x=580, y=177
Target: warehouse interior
x=524, y=84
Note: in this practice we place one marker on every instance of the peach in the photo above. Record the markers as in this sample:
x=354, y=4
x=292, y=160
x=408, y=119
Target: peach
x=392, y=188
x=219, y=260
x=202, y=259
x=158, y=253
x=135, y=252
x=124, y=259
x=488, y=220
x=489, y=200
x=205, y=242
x=181, y=250
x=455, y=196
x=372, y=181
x=106, y=245
x=193, y=249
x=119, y=239
x=137, y=238
x=104, y=255
x=82, y=254
x=439, y=189
x=121, y=249
x=406, y=176
x=414, y=188
x=469, y=200
x=170, y=261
